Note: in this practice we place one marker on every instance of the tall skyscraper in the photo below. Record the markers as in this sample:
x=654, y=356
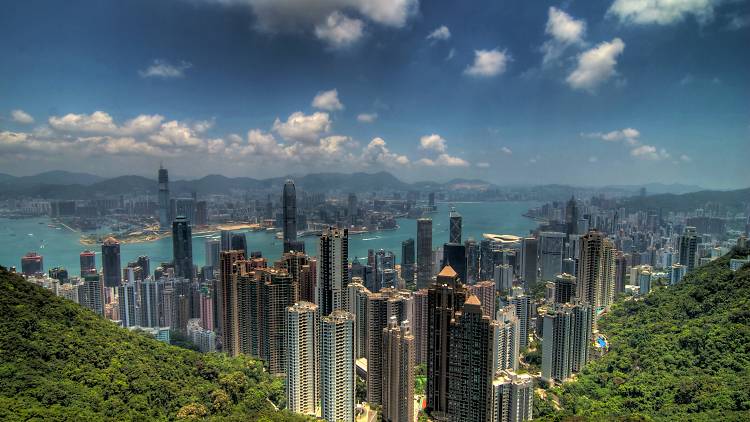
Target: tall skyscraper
x=398, y=372
x=150, y=295
x=377, y=320
x=302, y=358
x=212, y=246
x=565, y=288
x=407, y=261
x=182, y=248
x=621, y=271
x=277, y=293
x=596, y=270
x=88, y=262
x=337, y=367
x=333, y=269
x=164, y=204
x=32, y=263
x=571, y=216
x=551, y=254
x=689, y=248
x=424, y=252
x=419, y=321
x=454, y=255
x=225, y=237
x=238, y=242
x=91, y=294
x=523, y=305
x=289, y=206
x=567, y=330
x=485, y=291
x=507, y=346
x=127, y=295
x=472, y=261
x=111, y=262
x=357, y=303
x=470, y=364
x=351, y=209
x=513, y=397
x=227, y=302
x=455, y=228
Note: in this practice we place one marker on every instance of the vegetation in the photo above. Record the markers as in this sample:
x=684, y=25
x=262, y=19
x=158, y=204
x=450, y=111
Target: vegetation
x=420, y=379
x=59, y=361
x=682, y=353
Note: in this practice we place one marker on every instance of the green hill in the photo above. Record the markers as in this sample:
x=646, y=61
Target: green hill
x=682, y=353
x=59, y=361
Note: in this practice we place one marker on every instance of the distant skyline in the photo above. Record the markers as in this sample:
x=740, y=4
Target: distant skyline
x=579, y=93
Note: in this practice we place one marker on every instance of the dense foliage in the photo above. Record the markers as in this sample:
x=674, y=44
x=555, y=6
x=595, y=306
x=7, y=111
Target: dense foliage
x=682, y=353
x=59, y=361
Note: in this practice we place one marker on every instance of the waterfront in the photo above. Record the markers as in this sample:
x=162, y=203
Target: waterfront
x=60, y=247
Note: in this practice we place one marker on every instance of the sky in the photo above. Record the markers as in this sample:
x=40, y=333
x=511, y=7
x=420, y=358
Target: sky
x=512, y=92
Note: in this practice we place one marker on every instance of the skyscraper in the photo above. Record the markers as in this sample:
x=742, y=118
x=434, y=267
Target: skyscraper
x=551, y=254
x=424, y=252
x=277, y=293
x=470, y=364
x=513, y=397
x=212, y=246
x=127, y=302
x=454, y=255
x=523, y=305
x=485, y=291
x=398, y=372
x=182, y=248
x=302, y=358
x=420, y=324
x=227, y=302
x=529, y=265
x=289, y=206
x=596, y=270
x=91, y=295
x=565, y=288
x=111, y=262
x=380, y=308
x=407, y=261
x=32, y=263
x=164, y=204
x=567, y=330
x=689, y=248
x=88, y=262
x=455, y=228
x=507, y=346
x=357, y=304
x=571, y=216
x=337, y=367
x=333, y=269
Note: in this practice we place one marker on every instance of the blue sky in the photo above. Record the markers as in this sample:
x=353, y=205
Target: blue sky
x=588, y=93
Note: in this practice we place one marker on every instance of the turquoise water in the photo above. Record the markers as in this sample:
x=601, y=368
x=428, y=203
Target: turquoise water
x=60, y=247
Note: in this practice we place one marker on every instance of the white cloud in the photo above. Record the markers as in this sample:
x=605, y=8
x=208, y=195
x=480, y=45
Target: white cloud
x=377, y=153
x=737, y=22
x=629, y=135
x=20, y=116
x=662, y=12
x=142, y=124
x=686, y=159
x=488, y=63
x=444, y=160
x=596, y=66
x=96, y=122
x=302, y=127
x=593, y=159
x=649, y=152
x=367, y=117
x=339, y=31
x=564, y=31
x=483, y=165
x=163, y=69
x=440, y=34
x=328, y=100
x=433, y=142
x=176, y=134
x=451, y=54
x=506, y=151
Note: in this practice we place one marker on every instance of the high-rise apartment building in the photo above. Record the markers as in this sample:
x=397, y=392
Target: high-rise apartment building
x=301, y=366
x=277, y=293
x=565, y=288
x=212, y=248
x=111, y=262
x=182, y=248
x=407, y=261
x=88, y=262
x=333, y=270
x=227, y=301
x=289, y=209
x=512, y=397
x=424, y=252
x=127, y=297
x=507, y=345
x=523, y=305
x=596, y=270
x=565, y=347
x=357, y=300
x=485, y=291
x=398, y=372
x=91, y=294
x=164, y=204
x=689, y=248
x=337, y=367
x=420, y=315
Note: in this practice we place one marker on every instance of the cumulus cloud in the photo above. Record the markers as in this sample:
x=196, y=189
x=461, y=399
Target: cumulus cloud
x=328, y=100
x=160, y=68
x=96, y=122
x=367, y=117
x=444, y=160
x=564, y=31
x=433, y=142
x=662, y=12
x=20, y=116
x=302, y=127
x=593, y=159
x=488, y=63
x=628, y=135
x=506, y=151
x=649, y=152
x=441, y=33
x=377, y=153
x=339, y=31
x=737, y=22
x=596, y=66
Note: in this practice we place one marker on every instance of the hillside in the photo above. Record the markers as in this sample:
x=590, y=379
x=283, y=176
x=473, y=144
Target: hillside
x=733, y=201
x=682, y=353
x=59, y=361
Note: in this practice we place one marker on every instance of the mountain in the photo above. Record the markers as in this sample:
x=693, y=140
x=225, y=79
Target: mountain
x=657, y=188
x=732, y=200
x=59, y=361
x=681, y=353
x=54, y=177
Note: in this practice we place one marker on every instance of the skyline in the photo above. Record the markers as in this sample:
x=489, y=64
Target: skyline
x=631, y=95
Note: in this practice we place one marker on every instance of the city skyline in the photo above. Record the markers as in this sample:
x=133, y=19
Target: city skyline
x=632, y=94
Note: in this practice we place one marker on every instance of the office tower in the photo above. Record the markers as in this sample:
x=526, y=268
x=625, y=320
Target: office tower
x=337, y=367
x=567, y=330
x=551, y=254
x=184, y=207
x=144, y=262
x=302, y=358
x=424, y=252
x=677, y=271
x=91, y=294
x=351, y=208
x=307, y=280
x=377, y=320
x=472, y=261
x=111, y=262
x=88, y=262
x=333, y=269
x=455, y=227
x=238, y=242
x=150, y=294
x=523, y=305
x=485, y=291
x=528, y=265
x=486, y=260
x=182, y=247
x=398, y=372
x=383, y=264
x=277, y=293
x=164, y=203
x=225, y=237
x=407, y=261
x=506, y=346
x=357, y=303
x=565, y=288
x=201, y=213
x=32, y=263
x=419, y=324
x=571, y=216
x=689, y=247
x=127, y=296
x=621, y=270
x=512, y=397
x=503, y=278
x=431, y=201
x=454, y=255
x=470, y=364
x=569, y=266
x=212, y=248
x=227, y=302
x=289, y=206
x=445, y=297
